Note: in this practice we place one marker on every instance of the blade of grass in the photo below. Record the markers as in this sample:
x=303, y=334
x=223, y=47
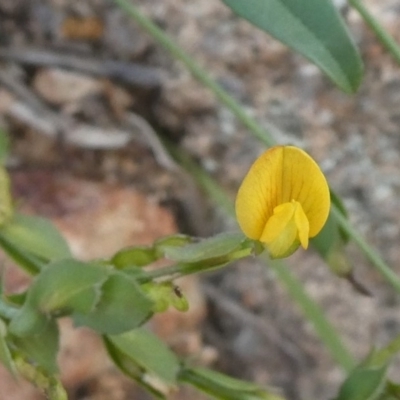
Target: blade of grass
x=248, y=121
x=391, y=46
x=198, y=72
x=368, y=251
x=325, y=330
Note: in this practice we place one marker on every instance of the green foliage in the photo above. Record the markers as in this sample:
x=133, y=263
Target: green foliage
x=37, y=236
x=115, y=297
x=5, y=354
x=142, y=356
x=40, y=348
x=313, y=28
x=366, y=382
x=122, y=306
x=224, y=387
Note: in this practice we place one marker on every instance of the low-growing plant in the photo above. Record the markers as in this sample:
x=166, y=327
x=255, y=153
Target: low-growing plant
x=283, y=203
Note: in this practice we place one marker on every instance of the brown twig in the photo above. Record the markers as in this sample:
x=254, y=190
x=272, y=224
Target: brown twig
x=128, y=73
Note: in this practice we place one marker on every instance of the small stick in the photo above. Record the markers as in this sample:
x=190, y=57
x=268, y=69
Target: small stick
x=129, y=73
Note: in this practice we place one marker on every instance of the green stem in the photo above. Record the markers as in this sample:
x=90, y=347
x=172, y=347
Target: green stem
x=325, y=330
x=198, y=72
x=384, y=355
x=380, y=32
x=369, y=252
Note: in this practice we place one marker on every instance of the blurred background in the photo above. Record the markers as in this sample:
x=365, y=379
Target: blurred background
x=86, y=95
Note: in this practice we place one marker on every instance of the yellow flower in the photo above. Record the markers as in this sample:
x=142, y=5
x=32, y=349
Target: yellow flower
x=283, y=200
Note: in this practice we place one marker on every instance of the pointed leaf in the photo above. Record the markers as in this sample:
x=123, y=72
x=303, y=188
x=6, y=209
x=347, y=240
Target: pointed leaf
x=364, y=383
x=313, y=28
x=224, y=387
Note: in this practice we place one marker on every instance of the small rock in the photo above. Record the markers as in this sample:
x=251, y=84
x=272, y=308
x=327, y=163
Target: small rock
x=60, y=87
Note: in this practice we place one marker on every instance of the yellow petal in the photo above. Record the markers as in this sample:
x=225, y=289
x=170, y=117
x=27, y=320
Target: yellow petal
x=280, y=175
x=285, y=230
x=259, y=193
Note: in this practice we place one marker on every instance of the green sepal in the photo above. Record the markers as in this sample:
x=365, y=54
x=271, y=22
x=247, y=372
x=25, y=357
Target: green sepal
x=134, y=257
x=165, y=295
x=218, y=246
x=313, y=28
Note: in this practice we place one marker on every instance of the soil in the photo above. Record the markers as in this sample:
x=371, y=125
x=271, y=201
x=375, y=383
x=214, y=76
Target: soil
x=84, y=92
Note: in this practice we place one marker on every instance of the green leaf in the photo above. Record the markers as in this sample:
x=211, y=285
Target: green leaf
x=122, y=306
x=4, y=146
x=30, y=263
x=149, y=353
x=62, y=287
x=36, y=235
x=364, y=383
x=313, y=28
x=5, y=353
x=206, y=249
x=223, y=387
x=41, y=348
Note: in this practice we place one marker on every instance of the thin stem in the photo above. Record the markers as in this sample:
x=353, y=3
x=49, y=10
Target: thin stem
x=380, y=32
x=325, y=330
x=369, y=252
x=384, y=355
x=198, y=72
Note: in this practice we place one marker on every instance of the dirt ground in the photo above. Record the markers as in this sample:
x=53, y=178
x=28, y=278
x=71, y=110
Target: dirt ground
x=84, y=92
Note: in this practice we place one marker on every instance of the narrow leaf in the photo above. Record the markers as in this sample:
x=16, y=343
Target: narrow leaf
x=36, y=235
x=313, y=28
x=224, y=387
